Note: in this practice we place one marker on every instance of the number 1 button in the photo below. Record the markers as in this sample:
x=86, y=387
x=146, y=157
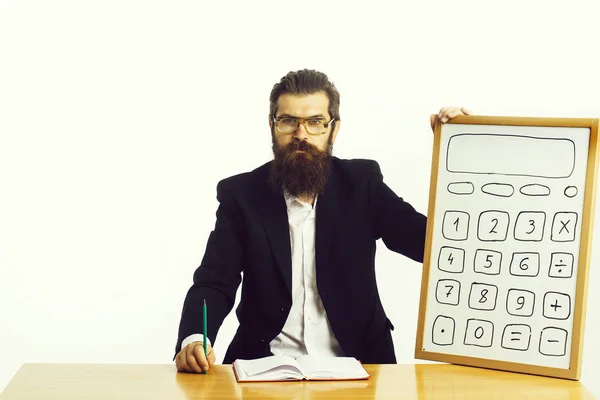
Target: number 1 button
x=455, y=225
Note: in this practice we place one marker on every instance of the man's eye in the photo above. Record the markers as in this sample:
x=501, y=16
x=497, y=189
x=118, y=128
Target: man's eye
x=315, y=121
x=287, y=120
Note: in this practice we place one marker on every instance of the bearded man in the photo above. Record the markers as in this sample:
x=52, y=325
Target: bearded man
x=302, y=229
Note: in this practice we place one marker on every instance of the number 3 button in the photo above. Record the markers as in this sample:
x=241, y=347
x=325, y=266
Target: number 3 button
x=530, y=226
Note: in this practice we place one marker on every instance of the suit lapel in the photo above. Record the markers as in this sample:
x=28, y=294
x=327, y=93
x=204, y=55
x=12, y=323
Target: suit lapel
x=273, y=214
x=328, y=211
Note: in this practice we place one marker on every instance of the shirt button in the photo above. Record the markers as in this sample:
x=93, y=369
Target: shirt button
x=282, y=309
x=310, y=318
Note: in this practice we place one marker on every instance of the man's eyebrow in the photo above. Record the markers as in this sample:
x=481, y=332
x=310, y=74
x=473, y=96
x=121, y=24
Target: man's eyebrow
x=295, y=116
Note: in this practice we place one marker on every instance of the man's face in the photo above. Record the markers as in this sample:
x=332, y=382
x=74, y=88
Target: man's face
x=301, y=159
x=304, y=106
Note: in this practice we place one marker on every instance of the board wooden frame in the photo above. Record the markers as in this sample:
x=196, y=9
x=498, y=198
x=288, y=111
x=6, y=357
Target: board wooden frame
x=574, y=371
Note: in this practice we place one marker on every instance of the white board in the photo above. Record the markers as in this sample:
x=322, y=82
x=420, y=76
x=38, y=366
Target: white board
x=504, y=253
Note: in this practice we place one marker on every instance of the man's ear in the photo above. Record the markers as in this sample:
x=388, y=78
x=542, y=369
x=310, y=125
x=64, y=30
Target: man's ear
x=336, y=129
x=270, y=123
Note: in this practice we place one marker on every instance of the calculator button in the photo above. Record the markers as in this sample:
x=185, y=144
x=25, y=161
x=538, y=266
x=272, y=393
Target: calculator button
x=483, y=296
x=451, y=259
x=553, y=341
x=520, y=302
x=525, y=264
x=516, y=337
x=447, y=291
x=493, y=226
x=563, y=226
x=487, y=262
x=443, y=331
x=557, y=305
x=561, y=265
x=530, y=226
x=455, y=225
x=479, y=332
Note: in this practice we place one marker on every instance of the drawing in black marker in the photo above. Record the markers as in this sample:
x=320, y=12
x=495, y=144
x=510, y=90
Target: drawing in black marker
x=461, y=188
x=553, y=342
x=498, y=189
x=510, y=155
x=443, y=331
x=516, y=337
x=520, y=302
x=557, y=305
x=451, y=259
x=571, y=191
x=563, y=226
x=479, y=333
x=529, y=226
x=448, y=292
x=561, y=265
x=493, y=226
x=455, y=225
x=535, y=189
x=487, y=262
x=483, y=296
x=525, y=264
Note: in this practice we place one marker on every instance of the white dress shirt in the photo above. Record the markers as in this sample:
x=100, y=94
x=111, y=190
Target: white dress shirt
x=307, y=329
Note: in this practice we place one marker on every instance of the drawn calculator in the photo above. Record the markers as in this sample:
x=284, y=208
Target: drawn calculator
x=507, y=237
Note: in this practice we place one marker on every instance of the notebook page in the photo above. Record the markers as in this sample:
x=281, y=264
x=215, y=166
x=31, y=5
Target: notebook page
x=332, y=367
x=274, y=367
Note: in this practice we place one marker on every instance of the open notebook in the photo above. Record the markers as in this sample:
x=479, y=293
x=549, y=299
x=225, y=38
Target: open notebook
x=282, y=368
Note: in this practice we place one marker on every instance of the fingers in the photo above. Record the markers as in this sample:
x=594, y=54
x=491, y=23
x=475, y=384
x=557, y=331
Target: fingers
x=181, y=361
x=196, y=358
x=202, y=364
x=211, y=356
x=191, y=358
x=447, y=113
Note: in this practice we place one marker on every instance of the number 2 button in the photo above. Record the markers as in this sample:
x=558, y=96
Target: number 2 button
x=493, y=226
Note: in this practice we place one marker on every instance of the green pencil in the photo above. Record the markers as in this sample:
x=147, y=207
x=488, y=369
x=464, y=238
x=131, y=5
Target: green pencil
x=204, y=323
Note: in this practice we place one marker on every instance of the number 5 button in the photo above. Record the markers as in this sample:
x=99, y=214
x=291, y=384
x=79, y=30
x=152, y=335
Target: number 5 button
x=530, y=226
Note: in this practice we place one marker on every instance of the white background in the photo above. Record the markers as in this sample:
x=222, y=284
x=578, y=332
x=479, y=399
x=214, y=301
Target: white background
x=118, y=118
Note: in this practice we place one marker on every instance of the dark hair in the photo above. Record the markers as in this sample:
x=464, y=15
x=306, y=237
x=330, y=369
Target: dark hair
x=306, y=81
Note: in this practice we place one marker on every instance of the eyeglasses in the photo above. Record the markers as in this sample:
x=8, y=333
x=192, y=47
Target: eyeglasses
x=313, y=126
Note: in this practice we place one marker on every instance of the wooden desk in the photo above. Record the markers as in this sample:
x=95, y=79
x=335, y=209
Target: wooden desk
x=420, y=381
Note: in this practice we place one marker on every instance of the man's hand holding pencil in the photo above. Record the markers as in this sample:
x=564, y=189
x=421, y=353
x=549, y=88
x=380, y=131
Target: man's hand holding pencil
x=191, y=358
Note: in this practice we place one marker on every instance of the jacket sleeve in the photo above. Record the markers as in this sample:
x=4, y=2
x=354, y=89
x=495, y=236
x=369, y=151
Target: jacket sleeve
x=219, y=274
x=396, y=222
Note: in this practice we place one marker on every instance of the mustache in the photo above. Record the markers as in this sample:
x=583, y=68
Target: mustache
x=301, y=145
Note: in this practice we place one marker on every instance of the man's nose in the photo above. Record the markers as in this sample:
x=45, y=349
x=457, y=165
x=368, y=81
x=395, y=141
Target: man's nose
x=300, y=132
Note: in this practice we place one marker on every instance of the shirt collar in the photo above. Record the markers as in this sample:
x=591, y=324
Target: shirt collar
x=289, y=199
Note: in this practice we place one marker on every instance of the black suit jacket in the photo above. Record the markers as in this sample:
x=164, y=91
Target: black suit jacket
x=251, y=236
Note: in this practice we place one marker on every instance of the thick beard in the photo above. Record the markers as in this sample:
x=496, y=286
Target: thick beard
x=300, y=174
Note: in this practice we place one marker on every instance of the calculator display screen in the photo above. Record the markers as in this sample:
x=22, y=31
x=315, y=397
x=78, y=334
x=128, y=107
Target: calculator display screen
x=511, y=155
